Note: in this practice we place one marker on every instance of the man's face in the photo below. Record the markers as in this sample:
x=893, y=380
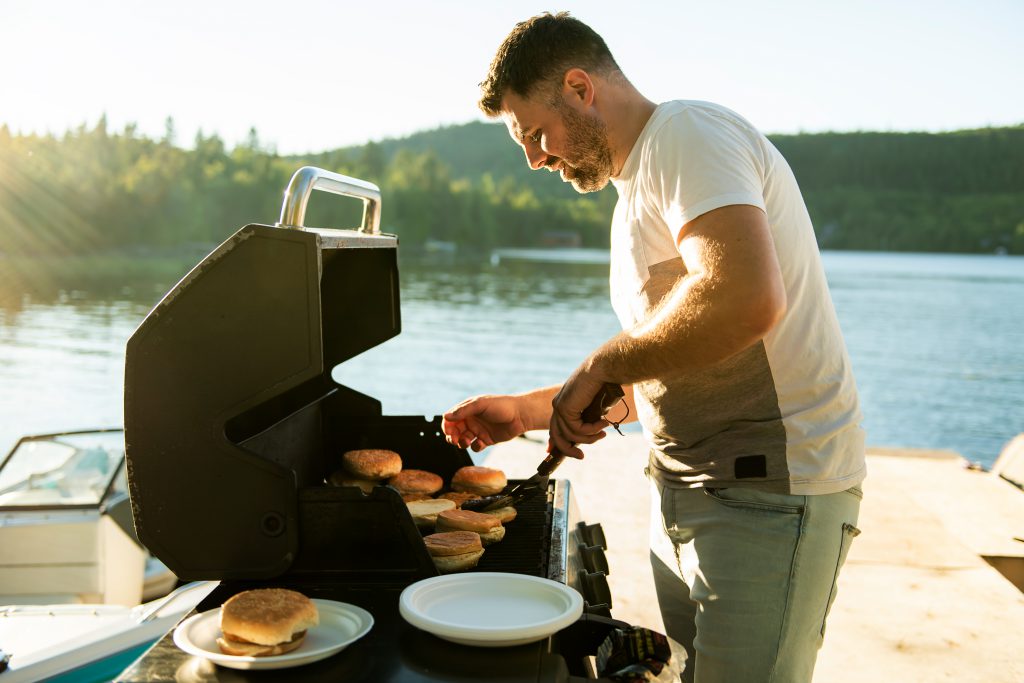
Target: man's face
x=560, y=138
x=588, y=155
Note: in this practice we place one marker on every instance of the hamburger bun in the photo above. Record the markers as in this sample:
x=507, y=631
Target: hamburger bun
x=488, y=526
x=482, y=481
x=232, y=647
x=454, y=551
x=452, y=543
x=410, y=497
x=466, y=520
x=342, y=478
x=459, y=497
x=265, y=622
x=424, y=512
x=372, y=463
x=504, y=515
x=448, y=564
x=416, y=481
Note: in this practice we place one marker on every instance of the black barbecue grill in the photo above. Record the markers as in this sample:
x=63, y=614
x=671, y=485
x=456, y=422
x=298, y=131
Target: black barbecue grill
x=233, y=424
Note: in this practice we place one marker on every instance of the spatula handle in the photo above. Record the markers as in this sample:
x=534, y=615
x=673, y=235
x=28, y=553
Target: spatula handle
x=608, y=396
x=550, y=463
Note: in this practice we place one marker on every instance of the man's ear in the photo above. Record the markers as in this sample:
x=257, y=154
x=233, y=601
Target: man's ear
x=578, y=87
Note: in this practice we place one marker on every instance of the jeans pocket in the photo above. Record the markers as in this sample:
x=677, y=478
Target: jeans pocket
x=849, y=532
x=756, y=501
x=669, y=521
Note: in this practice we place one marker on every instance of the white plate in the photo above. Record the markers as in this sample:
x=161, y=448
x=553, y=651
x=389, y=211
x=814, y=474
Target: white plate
x=490, y=609
x=340, y=625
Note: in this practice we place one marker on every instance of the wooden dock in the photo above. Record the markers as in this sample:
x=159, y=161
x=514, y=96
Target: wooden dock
x=917, y=600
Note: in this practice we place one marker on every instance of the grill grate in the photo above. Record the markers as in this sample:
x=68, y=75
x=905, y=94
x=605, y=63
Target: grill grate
x=527, y=543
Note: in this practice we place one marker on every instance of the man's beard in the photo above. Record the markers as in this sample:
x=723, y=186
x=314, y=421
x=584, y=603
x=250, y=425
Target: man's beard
x=588, y=164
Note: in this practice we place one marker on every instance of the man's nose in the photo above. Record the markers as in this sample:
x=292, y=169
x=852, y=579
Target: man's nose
x=536, y=157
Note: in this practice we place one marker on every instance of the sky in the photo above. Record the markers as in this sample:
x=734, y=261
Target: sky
x=317, y=75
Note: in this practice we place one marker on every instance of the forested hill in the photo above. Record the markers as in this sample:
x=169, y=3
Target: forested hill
x=957, y=191
x=93, y=189
x=970, y=161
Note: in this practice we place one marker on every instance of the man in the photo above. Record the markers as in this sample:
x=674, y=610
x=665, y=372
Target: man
x=731, y=354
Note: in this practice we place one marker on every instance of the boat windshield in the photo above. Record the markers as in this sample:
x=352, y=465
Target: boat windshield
x=67, y=469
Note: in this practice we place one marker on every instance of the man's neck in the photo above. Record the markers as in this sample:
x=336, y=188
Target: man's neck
x=625, y=112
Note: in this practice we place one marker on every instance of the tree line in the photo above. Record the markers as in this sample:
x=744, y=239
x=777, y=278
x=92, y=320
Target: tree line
x=93, y=189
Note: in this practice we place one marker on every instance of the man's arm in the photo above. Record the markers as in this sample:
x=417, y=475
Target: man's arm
x=732, y=295
x=483, y=421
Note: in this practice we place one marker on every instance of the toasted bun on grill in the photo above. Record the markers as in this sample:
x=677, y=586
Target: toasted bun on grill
x=466, y=520
x=342, y=478
x=459, y=497
x=372, y=463
x=416, y=481
x=454, y=551
x=265, y=621
x=493, y=536
x=482, y=481
x=452, y=543
x=410, y=497
x=424, y=512
x=488, y=526
x=504, y=515
x=448, y=564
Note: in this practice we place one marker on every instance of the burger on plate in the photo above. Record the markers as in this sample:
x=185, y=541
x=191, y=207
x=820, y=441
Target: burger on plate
x=265, y=622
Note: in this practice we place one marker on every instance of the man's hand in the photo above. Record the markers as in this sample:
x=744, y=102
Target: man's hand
x=567, y=427
x=483, y=421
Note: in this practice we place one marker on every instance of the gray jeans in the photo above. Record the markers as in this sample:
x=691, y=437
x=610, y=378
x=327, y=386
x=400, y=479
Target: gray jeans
x=745, y=578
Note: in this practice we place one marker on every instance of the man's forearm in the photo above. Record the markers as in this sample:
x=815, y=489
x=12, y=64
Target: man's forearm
x=535, y=406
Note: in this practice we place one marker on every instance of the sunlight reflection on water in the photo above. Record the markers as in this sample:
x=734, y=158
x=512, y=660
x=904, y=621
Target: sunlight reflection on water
x=935, y=342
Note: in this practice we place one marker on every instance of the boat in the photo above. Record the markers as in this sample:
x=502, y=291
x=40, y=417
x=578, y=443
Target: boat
x=87, y=643
x=80, y=597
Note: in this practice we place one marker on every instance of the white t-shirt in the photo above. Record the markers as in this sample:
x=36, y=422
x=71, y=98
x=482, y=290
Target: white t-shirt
x=782, y=415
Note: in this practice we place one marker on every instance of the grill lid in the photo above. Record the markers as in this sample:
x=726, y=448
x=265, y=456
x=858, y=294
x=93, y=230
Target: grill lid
x=225, y=378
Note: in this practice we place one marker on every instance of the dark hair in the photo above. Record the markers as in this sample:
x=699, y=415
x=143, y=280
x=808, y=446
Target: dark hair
x=539, y=51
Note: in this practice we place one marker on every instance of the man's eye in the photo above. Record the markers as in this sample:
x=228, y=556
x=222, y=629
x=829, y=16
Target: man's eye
x=535, y=137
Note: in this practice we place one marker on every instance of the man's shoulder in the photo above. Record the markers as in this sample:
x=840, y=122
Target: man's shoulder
x=692, y=114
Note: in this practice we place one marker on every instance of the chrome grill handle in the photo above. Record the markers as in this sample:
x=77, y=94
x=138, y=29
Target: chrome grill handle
x=309, y=178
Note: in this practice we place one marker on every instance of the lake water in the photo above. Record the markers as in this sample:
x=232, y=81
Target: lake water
x=937, y=343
